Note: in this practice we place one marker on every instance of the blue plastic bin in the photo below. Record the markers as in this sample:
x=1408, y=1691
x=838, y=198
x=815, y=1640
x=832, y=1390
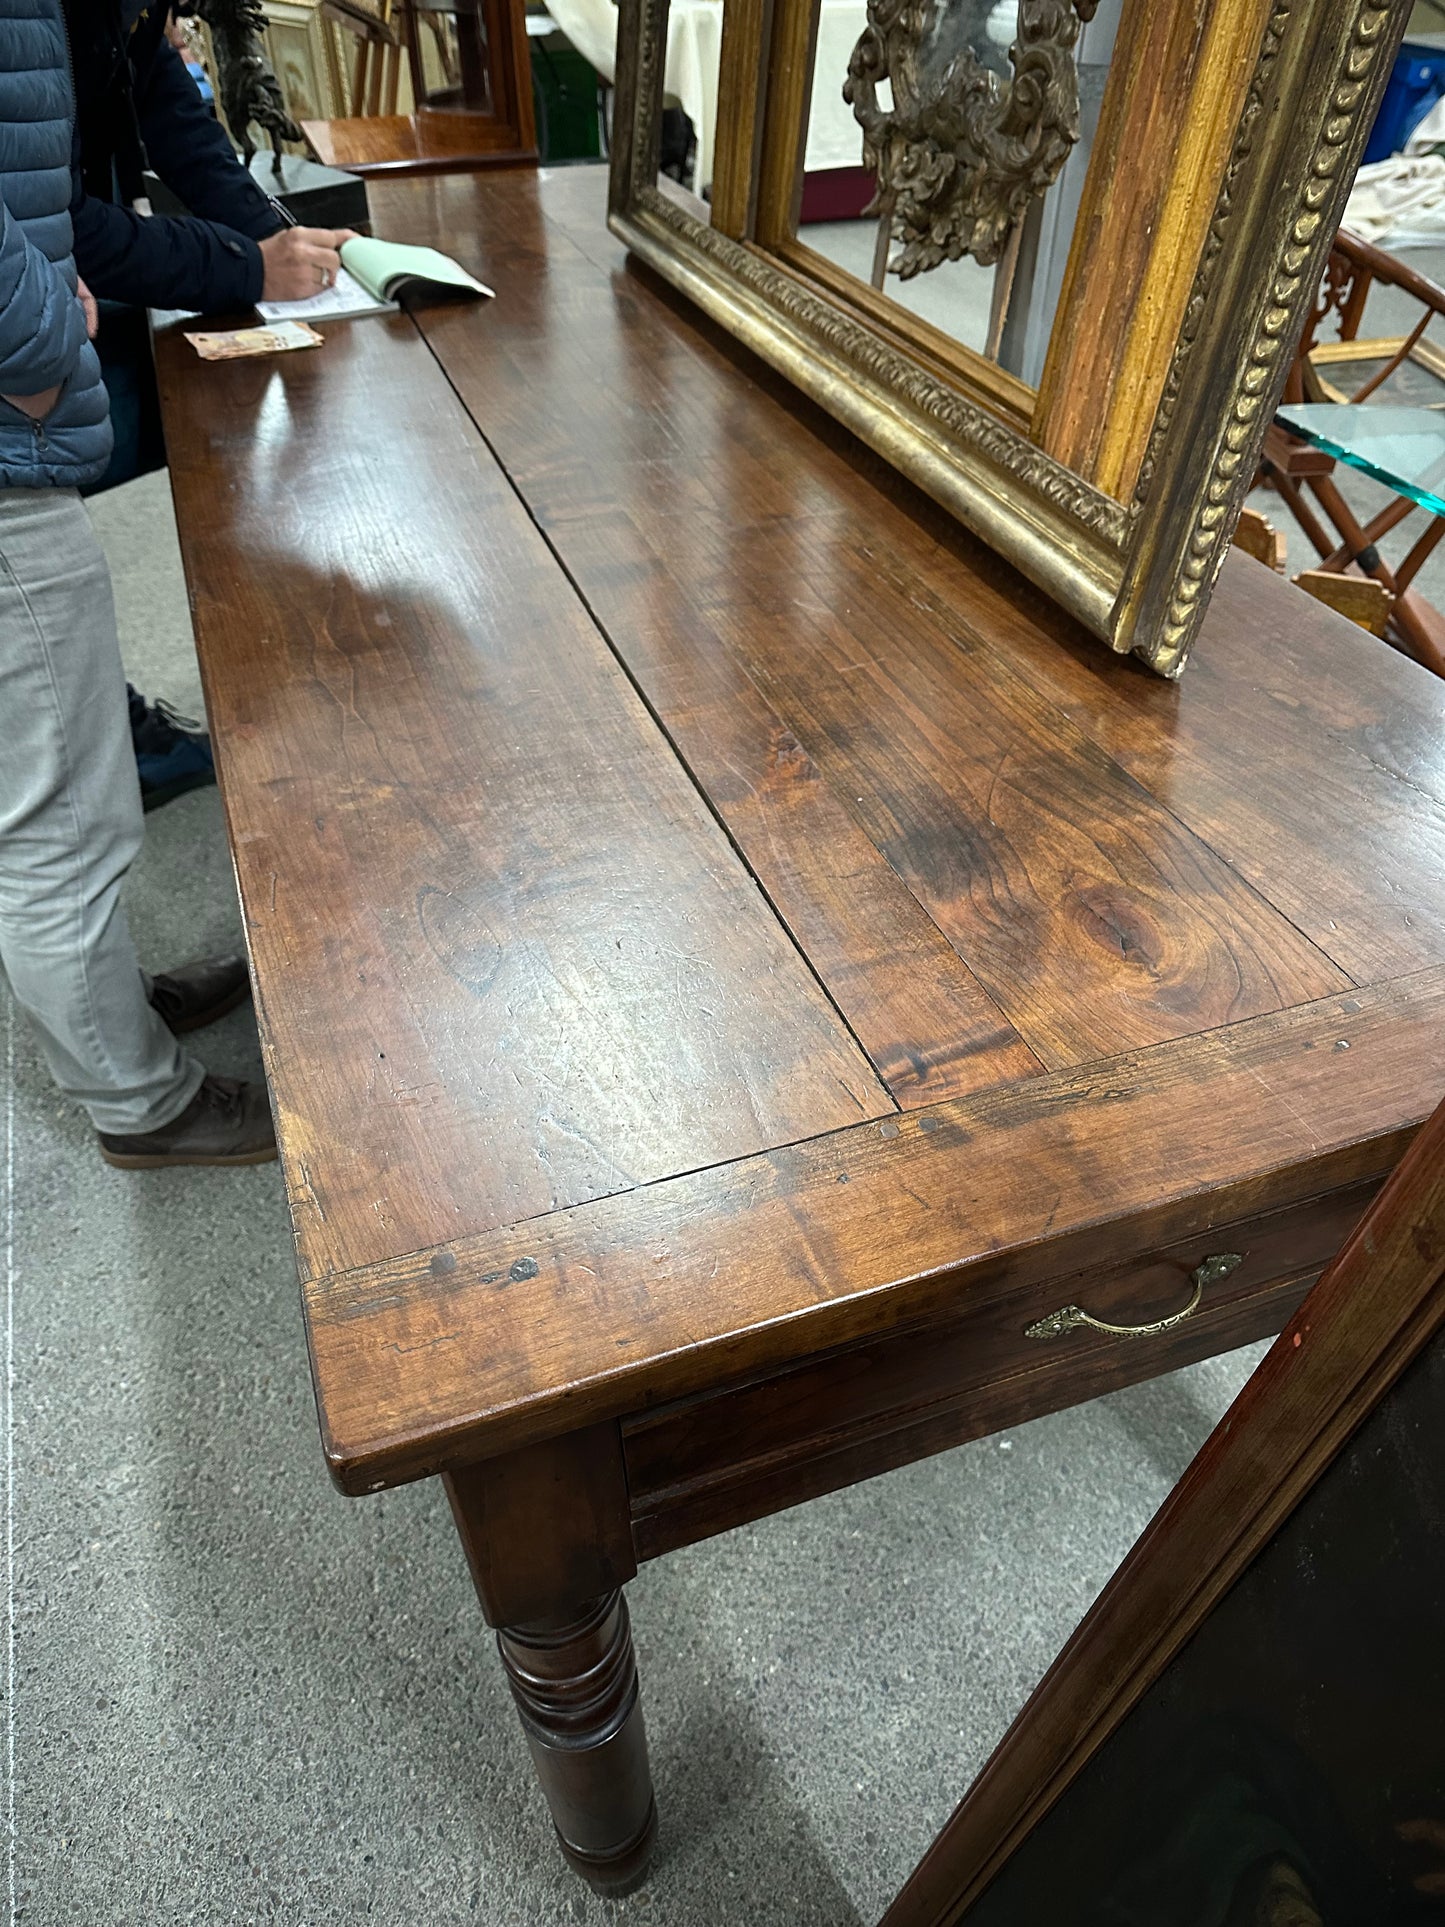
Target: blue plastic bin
x=1416, y=83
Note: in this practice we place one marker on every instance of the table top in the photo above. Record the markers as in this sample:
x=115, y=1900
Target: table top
x=703, y=907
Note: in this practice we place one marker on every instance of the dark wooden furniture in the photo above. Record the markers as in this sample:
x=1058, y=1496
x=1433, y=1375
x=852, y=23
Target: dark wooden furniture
x=375, y=76
x=1214, y=1558
x=481, y=116
x=731, y=958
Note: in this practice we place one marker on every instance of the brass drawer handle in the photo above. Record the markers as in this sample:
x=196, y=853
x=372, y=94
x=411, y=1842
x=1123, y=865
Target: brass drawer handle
x=1068, y=1316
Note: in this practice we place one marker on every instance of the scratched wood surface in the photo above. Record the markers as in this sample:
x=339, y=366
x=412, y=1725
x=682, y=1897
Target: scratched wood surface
x=505, y=957
x=706, y=910
x=614, y=1306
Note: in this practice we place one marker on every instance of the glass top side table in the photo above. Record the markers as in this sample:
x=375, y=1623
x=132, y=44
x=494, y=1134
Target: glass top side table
x=1402, y=447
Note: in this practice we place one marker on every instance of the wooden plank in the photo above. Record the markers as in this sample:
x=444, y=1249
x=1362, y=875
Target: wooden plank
x=926, y=1023
x=1092, y=919
x=377, y=145
x=487, y=1343
x=1170, y=110
x=1306, y=753
x=505, y=958
x=1307, y=756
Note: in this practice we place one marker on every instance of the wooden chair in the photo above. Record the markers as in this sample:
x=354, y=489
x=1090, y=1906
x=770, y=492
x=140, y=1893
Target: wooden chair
x=1360, y=599
x=472, y=101
x=1351, y=369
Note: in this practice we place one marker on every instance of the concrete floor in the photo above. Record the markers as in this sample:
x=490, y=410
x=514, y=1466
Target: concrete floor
x=956, y=296
x=235, y=1696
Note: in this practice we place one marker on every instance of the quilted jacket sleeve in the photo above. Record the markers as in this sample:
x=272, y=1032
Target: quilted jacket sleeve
x=42, y=325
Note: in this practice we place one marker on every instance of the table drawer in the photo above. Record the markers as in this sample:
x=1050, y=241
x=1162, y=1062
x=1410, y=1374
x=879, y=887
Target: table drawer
x=706, y=1463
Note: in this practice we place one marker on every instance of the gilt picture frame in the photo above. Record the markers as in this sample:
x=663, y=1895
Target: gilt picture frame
x=1115, y=486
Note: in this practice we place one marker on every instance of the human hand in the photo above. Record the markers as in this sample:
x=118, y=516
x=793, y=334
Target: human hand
x=301, y=261
x=35, y=406
x=92, y=313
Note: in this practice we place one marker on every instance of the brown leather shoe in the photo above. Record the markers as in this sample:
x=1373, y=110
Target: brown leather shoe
x=198, y=993
x=224, y=1123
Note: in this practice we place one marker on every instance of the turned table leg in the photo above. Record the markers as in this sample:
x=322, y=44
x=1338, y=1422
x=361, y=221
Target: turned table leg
x=575, y=1684
x=548, y=1536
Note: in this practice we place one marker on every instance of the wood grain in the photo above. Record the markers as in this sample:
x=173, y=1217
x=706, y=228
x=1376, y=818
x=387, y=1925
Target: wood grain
x=742, y=84
x=505, y=959
x=712, y=1462
x=378, y=145
x=929, y=1028
x=618, y=770
x=547, y=1528
x=490, y=1342
x=1307, y=754
x=926, y=1023
x=757, y=1489
x=791, y=51
x=1094, y=920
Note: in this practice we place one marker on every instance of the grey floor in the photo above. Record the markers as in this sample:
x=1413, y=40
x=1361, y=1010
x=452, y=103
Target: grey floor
x=235, y=1696
x=956, y=296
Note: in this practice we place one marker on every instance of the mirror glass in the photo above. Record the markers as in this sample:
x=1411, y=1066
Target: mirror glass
x=945, y=156
x=690, y=96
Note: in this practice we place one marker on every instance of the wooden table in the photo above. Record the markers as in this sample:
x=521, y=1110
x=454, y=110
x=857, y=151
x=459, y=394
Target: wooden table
x=731, y=957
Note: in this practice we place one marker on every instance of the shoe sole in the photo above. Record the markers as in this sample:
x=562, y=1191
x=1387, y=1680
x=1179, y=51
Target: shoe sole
x=163, y=793
x=161, y=1160
x=212, y=1014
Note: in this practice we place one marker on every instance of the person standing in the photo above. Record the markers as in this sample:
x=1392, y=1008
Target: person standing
x=137, y=106
x=70, y=813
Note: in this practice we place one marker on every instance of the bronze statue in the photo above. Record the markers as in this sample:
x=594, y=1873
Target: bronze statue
x=961, y=151
x=249, y=90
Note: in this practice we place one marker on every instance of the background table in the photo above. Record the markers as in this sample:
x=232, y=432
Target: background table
x=731, y=959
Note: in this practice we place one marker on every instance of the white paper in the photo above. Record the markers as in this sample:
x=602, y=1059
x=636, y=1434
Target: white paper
x=346, y=297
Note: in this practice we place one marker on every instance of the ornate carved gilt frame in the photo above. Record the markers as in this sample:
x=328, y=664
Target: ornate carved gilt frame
x=1137, y=572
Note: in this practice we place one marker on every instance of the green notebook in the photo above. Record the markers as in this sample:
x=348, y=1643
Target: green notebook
x=375, y=277
x=390, y=271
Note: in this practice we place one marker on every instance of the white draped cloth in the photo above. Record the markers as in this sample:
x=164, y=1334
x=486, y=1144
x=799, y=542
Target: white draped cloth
x=694, y=48
x=1399, y=203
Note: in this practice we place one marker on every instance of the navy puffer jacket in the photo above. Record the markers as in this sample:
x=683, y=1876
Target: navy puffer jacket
x=42, y=324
